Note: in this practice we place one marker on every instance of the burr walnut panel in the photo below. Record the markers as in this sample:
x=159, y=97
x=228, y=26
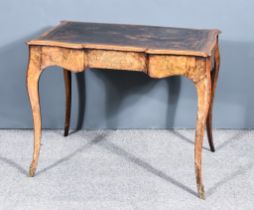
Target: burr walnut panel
x=156, y=66
x=71, y=59
x=160, y=66
x=106, y=59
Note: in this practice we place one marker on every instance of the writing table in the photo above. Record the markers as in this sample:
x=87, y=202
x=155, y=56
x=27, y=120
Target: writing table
x=158, y=52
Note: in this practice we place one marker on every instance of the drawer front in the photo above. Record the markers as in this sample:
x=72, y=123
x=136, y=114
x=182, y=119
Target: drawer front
x=108, y=59
x=160, y=66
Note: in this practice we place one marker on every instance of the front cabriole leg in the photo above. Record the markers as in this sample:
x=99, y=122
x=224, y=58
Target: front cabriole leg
x=34, y=71
x=197, y=69
x=203, y=88
x=41, y=57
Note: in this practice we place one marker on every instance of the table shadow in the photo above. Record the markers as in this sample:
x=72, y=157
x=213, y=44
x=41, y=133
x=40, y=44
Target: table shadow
x=13, y=165
x=119, y=86
x=187, y=140
x=101, y=141
x=240, y=171
x=174, y=90
x=86, y=146
x=230, y=140
x=122, y=85
x=143, y=164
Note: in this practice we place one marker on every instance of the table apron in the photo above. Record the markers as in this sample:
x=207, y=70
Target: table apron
x=156, y=66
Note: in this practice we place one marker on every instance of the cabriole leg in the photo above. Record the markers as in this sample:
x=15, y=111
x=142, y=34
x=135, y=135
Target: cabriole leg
x=203, y=92
x=33, y=75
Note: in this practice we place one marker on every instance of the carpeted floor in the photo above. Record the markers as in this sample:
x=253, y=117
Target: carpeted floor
x=125, y=170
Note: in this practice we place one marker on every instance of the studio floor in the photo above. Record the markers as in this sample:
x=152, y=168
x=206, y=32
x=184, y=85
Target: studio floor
x=125, y=170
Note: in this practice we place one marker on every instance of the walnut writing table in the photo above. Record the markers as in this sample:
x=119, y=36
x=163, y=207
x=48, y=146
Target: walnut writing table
x=159, y=52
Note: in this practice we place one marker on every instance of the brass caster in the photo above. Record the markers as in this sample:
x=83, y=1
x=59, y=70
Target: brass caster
x=31, y=172
x=201, y=192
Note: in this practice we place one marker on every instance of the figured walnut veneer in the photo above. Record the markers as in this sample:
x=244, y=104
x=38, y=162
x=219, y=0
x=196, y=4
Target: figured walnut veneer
x=159, y=52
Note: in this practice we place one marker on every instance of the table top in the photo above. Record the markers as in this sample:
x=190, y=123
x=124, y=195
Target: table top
x=137, y=38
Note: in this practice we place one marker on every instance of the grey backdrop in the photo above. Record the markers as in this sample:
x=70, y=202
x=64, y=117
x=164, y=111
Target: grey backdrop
x=126, y=99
